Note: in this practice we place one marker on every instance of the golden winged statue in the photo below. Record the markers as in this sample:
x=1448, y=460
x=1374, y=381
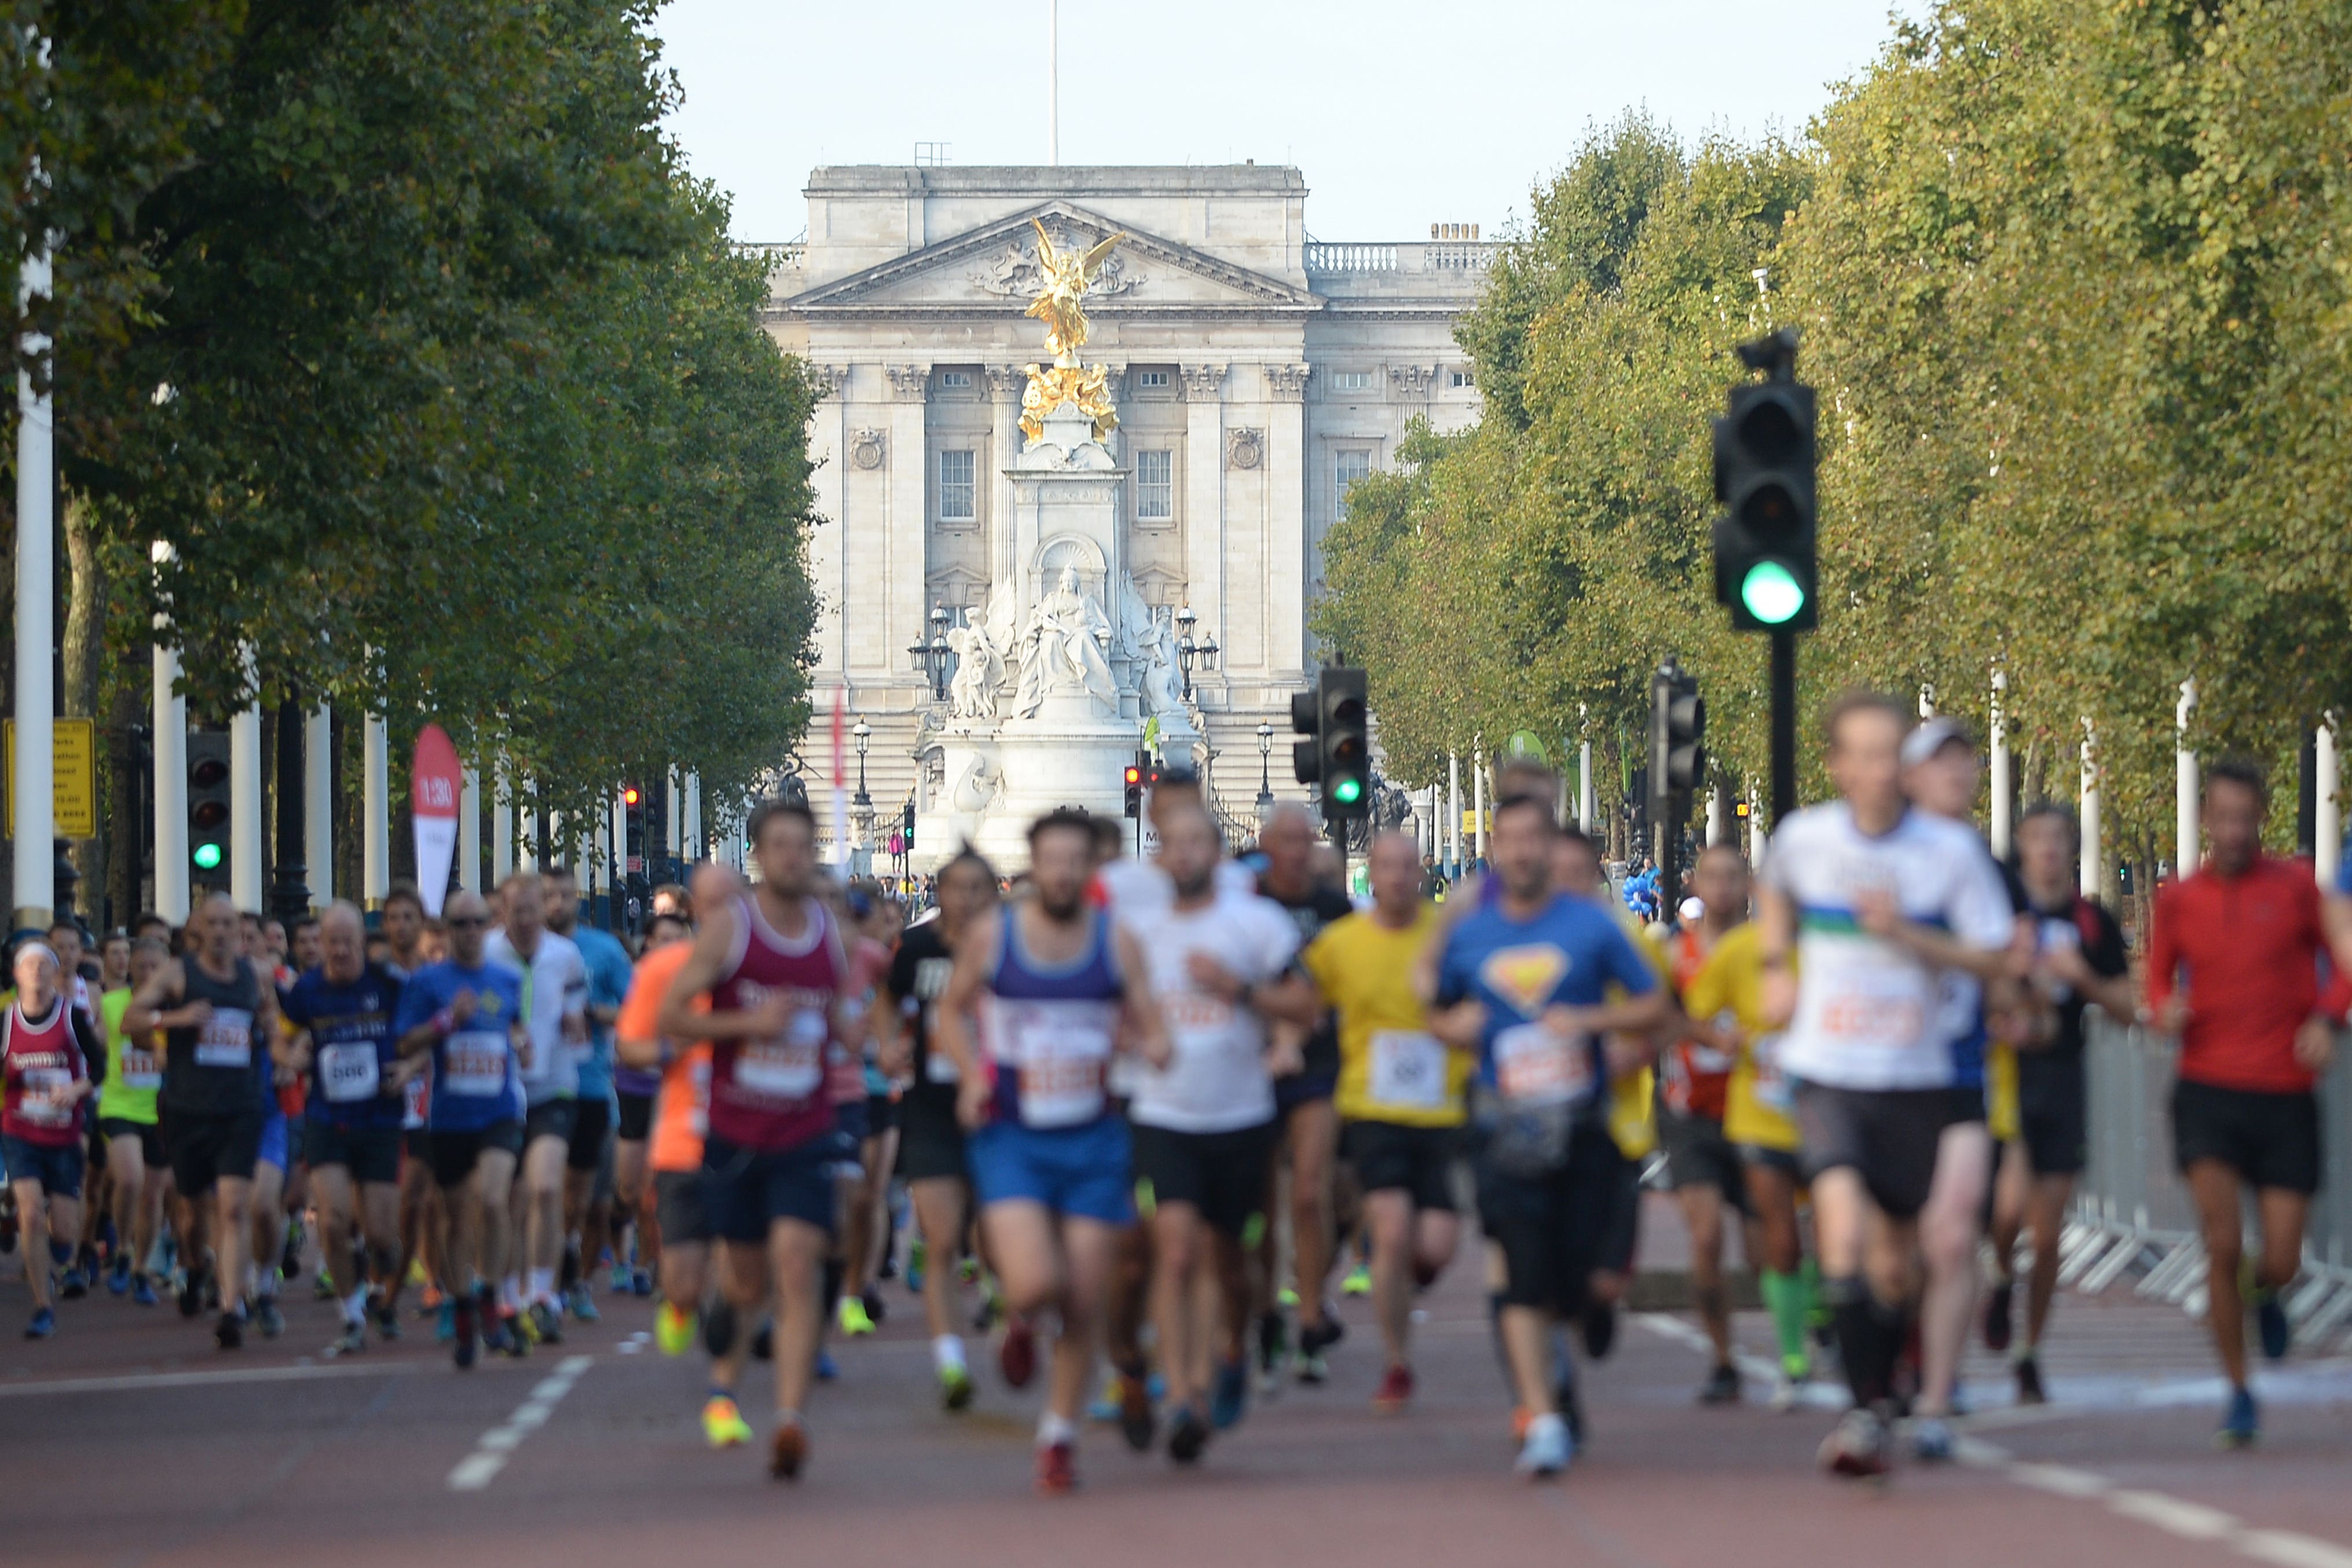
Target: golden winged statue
x=1060, y=303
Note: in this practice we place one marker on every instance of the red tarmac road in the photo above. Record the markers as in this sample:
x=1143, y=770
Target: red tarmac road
x=130, y=1440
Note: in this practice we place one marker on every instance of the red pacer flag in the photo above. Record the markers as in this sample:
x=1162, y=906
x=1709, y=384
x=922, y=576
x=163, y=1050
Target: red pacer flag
x=435, y=785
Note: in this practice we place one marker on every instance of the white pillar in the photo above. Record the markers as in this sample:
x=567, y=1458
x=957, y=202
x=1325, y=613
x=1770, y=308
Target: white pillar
x=527, y=827
x=501, y=827
x=171, y=722
x=2184, y=805
x=693, y=838
x=1453, y=811
x=2091, y=881
x=620, y=815
x=375, y=826
x=318, y=804
x=1758, y=836
x=36, y=580
x=469, y=832
x=1713, y=817
x=673, y=802
x=244, y=805
x=1584, y=791
x=1999, y=745
x=1478, y=802
x=1926, y=701
x=2329, y=819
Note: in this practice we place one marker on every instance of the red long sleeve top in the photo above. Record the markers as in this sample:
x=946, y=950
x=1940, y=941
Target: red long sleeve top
x=2244, y=952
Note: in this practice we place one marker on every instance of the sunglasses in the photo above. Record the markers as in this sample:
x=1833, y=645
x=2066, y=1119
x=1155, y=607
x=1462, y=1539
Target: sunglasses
x=469, y=923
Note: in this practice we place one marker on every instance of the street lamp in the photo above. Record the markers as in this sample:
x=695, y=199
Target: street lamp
x=1264, y=754
x=1187, y=652
x=862, y=733
x=931, y=657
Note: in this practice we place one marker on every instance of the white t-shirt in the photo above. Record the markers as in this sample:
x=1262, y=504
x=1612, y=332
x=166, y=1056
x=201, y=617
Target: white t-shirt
x=1216, y=1081
x=555, y=987
x=1869, y=1015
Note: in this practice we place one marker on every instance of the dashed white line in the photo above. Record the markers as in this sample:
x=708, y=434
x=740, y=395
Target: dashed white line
x=481, y=1467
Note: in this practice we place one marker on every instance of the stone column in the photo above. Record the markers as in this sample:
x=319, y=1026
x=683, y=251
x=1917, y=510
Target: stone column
x=245, y=807
x=1286, y=523
x=469, y=832
x=319, y=795
x=1204, y=495
x=828, y=553
x=1005, y=384
x=375, y=824
x=171, y=789
x=899, y=552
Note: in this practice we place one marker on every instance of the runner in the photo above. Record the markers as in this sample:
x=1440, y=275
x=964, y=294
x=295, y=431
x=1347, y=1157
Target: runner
x=1050, y=979
x=588, y=1168
x=1522, y=980
x=127, y=1121
x=876, y=920
x=1220, y=965
x=215, y=1010
x=47, y=1049
x=1876, y=903
x=1724, y=997
x=2078, y=961
x=773, y=968
x=403, y=950
x=931, y=1141
x=2232, y=972
x=466, y=1014
x=555, y=1010
x=1702, y=1166
x=1401, y=1096
x=343, y=1010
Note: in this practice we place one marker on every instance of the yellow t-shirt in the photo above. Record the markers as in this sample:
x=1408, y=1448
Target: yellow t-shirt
x=1633, y=1109
x=1391, y=1067
x=1757, y=1108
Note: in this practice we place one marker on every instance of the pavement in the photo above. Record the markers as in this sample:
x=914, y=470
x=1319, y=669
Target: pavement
x=129, y=1439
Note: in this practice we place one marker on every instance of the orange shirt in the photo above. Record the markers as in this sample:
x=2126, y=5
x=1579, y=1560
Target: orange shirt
x=682, y=1109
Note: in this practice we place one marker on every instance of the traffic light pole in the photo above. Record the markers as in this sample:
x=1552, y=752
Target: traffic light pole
x=1784, y=727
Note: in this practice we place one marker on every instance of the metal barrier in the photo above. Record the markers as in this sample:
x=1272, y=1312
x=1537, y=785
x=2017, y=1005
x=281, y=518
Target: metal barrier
x=2132, y=1213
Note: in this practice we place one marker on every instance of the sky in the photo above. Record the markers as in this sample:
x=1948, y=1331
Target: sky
x=1400, y=114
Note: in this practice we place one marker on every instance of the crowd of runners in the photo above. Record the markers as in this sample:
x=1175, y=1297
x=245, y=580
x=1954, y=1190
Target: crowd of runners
x=1158, y=1112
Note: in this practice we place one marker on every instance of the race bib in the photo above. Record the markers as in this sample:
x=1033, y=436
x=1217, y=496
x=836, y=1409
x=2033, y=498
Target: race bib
x=1408, y=1070
x=140, y=1069
x=1774, y=1090
x=1535, y=1065
x=788, y=1069
x=474, y=1063
x=226, y=1041
x=416, y=1099
x=44, y=1104
x=1061, y=1051
x=349, y=1071
x=1874, y=1005
x=938, y=1066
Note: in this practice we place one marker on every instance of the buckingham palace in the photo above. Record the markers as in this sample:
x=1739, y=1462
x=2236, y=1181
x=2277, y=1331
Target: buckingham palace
x=1256, y=371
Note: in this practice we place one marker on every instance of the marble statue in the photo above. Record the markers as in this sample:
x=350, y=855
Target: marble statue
x=1147, y=639
x=1061, y=649
x=980, y=670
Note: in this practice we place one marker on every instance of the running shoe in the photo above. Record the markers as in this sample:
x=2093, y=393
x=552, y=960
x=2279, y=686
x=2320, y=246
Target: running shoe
x=1546, y=1450
x=1057, y=1468
x=1931, y=1440
x=673, y=1329
x=854, y=1321
x=546, y=1323
x=44, y=1324
x=1188, y=1435
x=617, y=1281
x=1314, y=1339
x=1788, y=1388
x=1287, y=1299
x=1136, y=1420
x=118, y=1278
x=1857, y=1447
x=2271, y=1324
x=510, y=1334
x=580, y=1304
x=827, y=1368
x=788, y=1451
x=723, y=1426
x=1016, y=1357
x=289, y=1260
x=1395, y=1390
x=641, y=1282
x=73, y=1285
x=1104, y=1406
x=1721, y=1387
x=268, y=1318
x=462, y=1331
x=1599, y=1325
x=1996, y=1326
x=1229, y=1394
x=1273, y=1338
x=2241, y=1423
x=1359, y=1281
x=322, y=1284
x=351, y=1341
x=2029, y=1382
x=968, y=1269
x=143, y=1290
x=991, y=1308
x=229, y=1332
x=877, y=1311
x=445, y=1321
x=957, y=1389
x=914, y=1255
x=387, y=1318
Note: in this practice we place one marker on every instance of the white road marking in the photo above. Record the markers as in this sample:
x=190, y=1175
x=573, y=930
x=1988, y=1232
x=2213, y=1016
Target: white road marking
x=1753, y=1367
x=481, y=1467
x=141, y=1380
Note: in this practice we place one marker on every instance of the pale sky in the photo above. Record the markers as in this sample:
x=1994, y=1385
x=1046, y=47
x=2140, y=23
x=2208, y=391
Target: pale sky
x=1400, y=112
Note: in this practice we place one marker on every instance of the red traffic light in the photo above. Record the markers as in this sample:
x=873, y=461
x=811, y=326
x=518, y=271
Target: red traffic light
x=1134, y=775
x=630, y=796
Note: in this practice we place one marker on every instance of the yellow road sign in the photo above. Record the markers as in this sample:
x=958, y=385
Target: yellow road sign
x=74, y=772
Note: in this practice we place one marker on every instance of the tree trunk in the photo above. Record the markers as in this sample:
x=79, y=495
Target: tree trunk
x=128, y=792
x=85, y=649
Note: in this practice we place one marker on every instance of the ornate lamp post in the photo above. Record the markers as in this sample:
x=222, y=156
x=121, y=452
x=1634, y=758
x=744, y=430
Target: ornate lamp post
x=1265, y=779
x=1187, y=652
x=861, y=804
x=932, y=657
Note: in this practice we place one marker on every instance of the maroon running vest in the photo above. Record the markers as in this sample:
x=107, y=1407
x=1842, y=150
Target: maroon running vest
x=770, y=1094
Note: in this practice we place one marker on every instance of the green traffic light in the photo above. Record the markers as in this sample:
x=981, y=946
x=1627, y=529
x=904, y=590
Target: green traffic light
x=207, y=857
x=1772, y=594
x=1348, y=791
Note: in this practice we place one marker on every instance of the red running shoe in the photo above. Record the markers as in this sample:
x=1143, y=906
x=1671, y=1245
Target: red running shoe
x=1017, y=1356
x=1395, y=1392
x=789, y=1452
x=1057, y=1469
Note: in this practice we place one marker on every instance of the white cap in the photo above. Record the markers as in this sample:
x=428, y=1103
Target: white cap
x=1932, y=736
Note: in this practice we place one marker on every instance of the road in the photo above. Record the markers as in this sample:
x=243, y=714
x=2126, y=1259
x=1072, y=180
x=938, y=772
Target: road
x=130, y=1440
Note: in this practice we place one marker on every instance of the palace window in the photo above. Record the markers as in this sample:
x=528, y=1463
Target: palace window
x=956, y=498
x=957, y=378
x=1352, y=380
x=1465, y=378
x=1155, y=483
x=1347, y=467
x=1151, y=378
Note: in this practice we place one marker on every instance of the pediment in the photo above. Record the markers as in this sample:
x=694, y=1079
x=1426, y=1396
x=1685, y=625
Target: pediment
x=994, y=267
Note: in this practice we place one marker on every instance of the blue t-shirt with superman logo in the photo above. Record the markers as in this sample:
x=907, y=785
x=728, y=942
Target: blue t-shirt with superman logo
x=1568, y=953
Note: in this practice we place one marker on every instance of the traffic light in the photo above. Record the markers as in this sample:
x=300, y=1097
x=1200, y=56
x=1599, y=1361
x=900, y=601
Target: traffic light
x=632, y=819
x=1678, y=731
x=208, y=809
x=1765, y=546
x=906, y=828
x=1135, y=786
x=1337, y=751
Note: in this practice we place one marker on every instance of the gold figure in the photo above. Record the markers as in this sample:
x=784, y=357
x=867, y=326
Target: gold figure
x=1060, y=303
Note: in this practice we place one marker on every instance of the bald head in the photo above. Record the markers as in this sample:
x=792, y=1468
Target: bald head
x=712, y=886
x=342, y=942
x=1287, y=841
x=468, y=915
x=1394, y=867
